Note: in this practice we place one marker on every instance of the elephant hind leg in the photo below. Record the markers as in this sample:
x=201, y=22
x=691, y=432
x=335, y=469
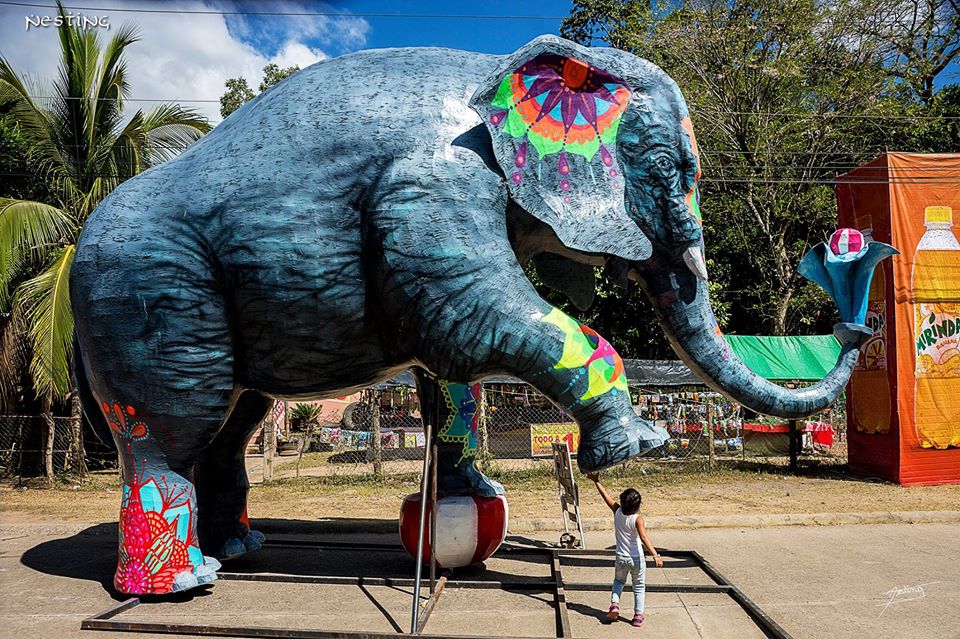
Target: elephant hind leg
x=160, y=367
x=159, y=551
x=222, y=484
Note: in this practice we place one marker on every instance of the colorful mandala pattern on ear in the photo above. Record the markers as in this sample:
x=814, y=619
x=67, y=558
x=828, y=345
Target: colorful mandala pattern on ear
x=561, y=106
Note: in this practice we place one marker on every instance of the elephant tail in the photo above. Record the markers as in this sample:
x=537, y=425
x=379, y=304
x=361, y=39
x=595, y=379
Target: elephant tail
x=88, y=402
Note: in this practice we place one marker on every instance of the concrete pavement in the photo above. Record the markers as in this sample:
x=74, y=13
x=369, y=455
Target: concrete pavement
x=855, y=581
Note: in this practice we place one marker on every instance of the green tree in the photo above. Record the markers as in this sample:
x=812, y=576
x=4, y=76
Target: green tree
x=918, y=39
x=784, y=95
x=77, y=146
x=239, y=92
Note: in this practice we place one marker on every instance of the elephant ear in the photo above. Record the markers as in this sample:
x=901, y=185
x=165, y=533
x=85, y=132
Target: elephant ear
x=553, y=109
x=575, y=280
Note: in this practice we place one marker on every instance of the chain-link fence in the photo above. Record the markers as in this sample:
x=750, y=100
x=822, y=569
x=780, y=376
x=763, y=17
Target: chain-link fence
x=38, y=446
x=517, y=426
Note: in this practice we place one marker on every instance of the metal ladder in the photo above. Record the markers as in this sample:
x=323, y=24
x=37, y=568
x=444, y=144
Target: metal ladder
x=569, y=494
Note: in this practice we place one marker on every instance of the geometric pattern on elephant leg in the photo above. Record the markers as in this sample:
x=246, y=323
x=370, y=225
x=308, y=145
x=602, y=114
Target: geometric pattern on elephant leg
x=589, y=355
x=463, y=403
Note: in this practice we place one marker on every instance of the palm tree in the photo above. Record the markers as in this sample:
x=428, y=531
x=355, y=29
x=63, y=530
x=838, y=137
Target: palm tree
x=81, y=146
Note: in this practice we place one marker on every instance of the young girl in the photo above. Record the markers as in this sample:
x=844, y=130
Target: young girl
x=629, y=531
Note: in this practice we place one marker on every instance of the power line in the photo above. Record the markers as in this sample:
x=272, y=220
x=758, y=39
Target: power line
x=322, y=14
x=899, y=180
x=864, y=116
x=831, y=114
x=93, y=99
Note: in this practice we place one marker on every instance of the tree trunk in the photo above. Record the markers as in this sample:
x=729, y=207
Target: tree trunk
x=76, y=457
x=782, y=307
x=269, y=445
x=49, y=434
x=483, y=441
x=376, y=442
x=712, y=462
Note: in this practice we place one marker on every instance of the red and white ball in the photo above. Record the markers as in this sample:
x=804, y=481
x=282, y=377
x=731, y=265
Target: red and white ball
x=469, y=528
x=845, y=242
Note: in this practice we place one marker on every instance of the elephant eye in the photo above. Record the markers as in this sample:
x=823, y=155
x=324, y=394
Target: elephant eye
x=665, y=167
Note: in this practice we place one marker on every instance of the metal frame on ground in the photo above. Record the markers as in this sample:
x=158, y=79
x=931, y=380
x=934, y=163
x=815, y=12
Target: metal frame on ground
x=556, y=585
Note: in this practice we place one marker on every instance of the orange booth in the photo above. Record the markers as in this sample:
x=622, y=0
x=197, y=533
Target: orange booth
x=903, y=402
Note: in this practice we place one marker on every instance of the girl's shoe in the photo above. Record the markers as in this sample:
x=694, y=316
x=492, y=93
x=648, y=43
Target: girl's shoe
x=614, y=613
x=637, y=620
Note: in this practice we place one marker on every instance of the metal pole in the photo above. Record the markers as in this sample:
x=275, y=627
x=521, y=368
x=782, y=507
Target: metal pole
x=428, y=443
x=269, y=444
x=433, y=512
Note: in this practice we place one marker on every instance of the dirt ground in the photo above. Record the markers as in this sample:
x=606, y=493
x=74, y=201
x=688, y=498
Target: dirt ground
x=738, y=488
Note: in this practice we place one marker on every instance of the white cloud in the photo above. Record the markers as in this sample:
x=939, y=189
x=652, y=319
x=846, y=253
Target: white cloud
x=180, y=57
x=299, y=54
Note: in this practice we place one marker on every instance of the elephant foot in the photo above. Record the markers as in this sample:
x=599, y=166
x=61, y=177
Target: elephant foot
x=137, y=579
x=458, y=474
x=615, y=443
x=466, y=479
x=203, y=574
x=235, y=547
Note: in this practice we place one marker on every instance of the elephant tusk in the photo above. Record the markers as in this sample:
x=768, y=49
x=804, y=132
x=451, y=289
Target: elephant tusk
x=693, y=258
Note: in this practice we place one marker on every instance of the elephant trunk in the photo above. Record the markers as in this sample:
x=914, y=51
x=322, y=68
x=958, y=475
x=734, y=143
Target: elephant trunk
x=682, y=304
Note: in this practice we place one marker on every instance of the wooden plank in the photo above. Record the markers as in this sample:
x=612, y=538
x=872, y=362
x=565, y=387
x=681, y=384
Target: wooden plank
x=431, y=602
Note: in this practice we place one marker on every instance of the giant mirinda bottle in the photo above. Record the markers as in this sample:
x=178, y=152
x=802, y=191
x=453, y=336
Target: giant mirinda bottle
x=936, y=303
x=871, y=388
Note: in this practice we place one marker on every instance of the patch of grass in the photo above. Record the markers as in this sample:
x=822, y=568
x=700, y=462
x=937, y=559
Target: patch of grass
x=532, y=479
x=92, y=481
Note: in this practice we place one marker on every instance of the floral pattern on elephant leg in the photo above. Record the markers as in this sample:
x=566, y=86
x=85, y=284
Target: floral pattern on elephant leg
x=463, y=402
x=158, y=524
x=158, y=535
x=589, y=355
x=122, y=421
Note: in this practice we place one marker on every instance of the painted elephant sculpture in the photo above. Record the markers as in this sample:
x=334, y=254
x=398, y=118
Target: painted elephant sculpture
x=375, y=212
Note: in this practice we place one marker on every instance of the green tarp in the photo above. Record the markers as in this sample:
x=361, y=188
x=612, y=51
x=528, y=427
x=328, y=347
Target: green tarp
x=808, y=357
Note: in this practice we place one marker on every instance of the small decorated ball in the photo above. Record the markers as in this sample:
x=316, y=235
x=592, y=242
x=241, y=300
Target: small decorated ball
x=846, y=243
x=469, y=528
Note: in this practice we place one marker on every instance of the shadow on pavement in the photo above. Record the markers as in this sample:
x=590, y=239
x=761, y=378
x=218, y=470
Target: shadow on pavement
x=91, y=555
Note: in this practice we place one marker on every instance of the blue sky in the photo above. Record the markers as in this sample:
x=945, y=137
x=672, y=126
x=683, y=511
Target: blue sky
x=190, y=48
x=268, y=33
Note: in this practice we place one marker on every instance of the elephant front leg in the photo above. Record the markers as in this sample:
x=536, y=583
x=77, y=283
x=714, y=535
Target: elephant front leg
x=513, y=331
x=457, y=408
x=589, y=381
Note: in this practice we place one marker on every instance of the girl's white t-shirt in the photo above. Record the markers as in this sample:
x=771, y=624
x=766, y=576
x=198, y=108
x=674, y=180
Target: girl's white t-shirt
x=625, y=530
